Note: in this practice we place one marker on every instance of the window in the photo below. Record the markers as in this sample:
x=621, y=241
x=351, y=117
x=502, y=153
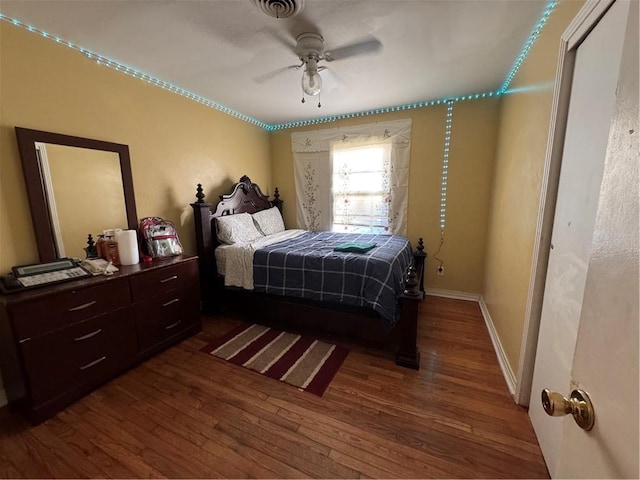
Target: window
x=361, y=193
x=353, y=179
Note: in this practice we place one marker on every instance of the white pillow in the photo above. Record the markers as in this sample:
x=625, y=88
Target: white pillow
x=237, y=228
x=269, y=221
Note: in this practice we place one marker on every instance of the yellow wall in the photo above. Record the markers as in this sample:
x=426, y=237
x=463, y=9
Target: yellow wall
x=524, y=125
x=470, y=172
x=174, y=143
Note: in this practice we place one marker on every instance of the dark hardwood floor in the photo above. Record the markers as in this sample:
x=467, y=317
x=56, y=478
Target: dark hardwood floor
x=186, y=414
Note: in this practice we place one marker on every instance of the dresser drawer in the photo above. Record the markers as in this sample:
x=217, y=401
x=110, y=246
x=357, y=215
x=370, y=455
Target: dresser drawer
x=163, y=316
x=86, y=352
x=164, y=279
x=48, y=314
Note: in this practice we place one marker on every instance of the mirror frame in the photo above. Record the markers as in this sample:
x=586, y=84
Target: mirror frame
x=40, y=216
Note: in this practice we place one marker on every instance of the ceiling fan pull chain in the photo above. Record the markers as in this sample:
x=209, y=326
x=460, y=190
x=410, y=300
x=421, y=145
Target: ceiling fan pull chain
x=319, y=101
x=303, y=100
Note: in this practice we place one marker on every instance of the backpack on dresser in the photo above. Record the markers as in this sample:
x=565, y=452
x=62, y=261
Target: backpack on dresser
x=159, y=237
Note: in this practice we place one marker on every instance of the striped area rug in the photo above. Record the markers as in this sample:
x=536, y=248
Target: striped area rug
x=302, y=362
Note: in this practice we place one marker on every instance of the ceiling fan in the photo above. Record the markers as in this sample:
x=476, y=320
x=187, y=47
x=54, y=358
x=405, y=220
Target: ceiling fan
x=310, y=50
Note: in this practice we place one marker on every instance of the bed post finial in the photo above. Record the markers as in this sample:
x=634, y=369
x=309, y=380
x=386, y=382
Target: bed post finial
x=245, y=184
x=419, y=257
x=276, y=202
x=199, y=195
x=411, y=283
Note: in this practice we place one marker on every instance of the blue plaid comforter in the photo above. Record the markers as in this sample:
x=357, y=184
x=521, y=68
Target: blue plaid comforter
x=307, y=267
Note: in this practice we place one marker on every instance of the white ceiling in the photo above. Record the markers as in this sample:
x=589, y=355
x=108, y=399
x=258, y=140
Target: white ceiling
x=431, y=49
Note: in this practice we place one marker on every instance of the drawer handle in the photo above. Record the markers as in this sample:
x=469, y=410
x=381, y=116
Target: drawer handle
x=83, y=306
x=25, y=340
x=173, y=325
x=94, y=363
x=88, y=335
x=174, y=277
x=170, y=302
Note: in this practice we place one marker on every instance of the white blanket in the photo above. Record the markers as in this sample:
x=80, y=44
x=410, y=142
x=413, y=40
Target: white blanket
x=235, y=261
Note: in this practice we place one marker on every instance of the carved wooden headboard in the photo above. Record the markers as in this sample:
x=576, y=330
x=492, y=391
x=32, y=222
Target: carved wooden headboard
x=245, y=197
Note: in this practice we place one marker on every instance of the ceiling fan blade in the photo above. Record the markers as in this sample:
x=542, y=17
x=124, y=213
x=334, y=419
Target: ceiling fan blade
x=282, y=38
x=363, y=47
x=330, y=80
x=269, y=75
x=331, y=75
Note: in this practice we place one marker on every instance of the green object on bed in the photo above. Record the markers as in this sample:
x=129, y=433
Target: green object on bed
x=354, y=247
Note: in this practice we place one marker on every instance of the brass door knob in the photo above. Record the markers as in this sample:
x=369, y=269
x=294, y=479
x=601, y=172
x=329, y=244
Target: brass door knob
x=578, y=405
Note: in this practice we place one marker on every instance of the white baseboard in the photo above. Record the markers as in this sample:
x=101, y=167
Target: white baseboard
x=507, y=372
x=474, y=297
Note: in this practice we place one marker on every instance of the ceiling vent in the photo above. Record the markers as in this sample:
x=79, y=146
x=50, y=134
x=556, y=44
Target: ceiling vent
x=279, y=8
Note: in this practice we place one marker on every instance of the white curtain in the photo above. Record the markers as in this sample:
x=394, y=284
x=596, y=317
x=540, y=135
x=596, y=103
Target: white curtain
x=312, y=167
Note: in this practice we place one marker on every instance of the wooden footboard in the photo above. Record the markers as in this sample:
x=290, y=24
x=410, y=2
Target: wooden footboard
x=408, y=353
x=246, y=196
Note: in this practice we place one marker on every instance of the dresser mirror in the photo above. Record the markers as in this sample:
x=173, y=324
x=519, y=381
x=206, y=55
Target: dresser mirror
x=75, y=186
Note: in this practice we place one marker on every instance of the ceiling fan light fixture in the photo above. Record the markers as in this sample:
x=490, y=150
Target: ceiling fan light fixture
x=311, y=83
x=311, y=79
x=279, y=8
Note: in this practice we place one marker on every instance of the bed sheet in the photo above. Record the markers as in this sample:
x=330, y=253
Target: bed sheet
x=235, y=262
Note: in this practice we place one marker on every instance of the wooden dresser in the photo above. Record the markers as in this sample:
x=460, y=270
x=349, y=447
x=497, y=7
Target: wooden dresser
x=59, y=342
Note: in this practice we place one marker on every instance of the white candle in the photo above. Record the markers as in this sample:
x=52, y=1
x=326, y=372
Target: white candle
x=127, y=247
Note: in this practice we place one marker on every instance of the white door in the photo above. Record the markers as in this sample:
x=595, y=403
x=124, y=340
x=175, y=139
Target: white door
x=589, y=325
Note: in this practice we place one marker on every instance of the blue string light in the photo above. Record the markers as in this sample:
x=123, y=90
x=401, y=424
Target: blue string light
x=527, y=46
x=100, y=60
x=395, y=108
x=445, y=164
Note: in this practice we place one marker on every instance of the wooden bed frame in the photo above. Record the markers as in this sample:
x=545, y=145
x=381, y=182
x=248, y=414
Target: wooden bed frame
x=293, y=313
